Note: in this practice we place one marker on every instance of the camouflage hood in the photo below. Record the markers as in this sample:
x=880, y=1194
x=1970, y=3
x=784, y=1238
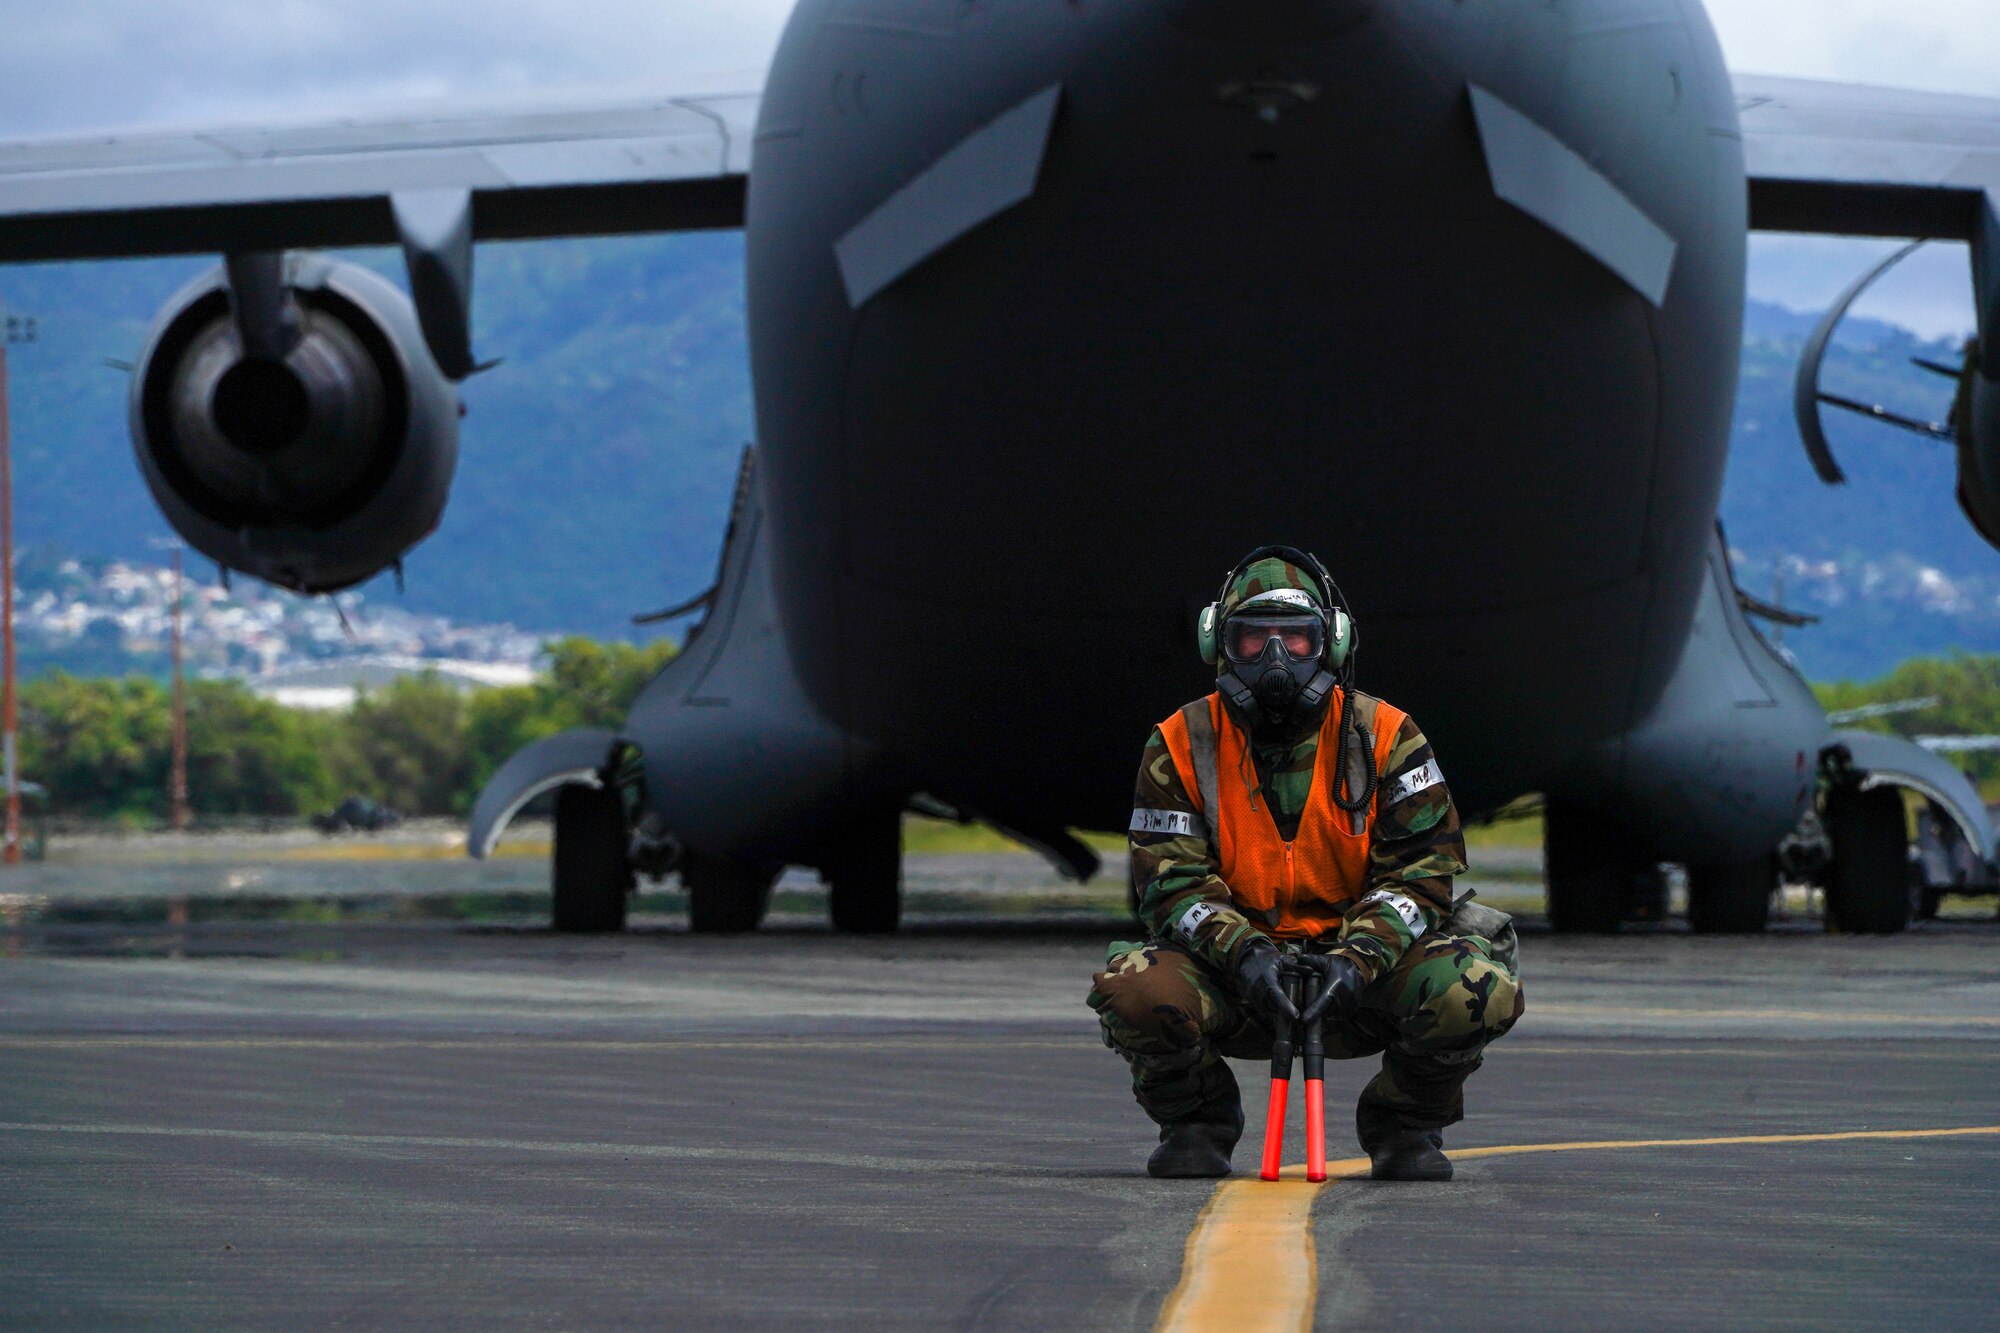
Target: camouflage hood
x=1270, y=575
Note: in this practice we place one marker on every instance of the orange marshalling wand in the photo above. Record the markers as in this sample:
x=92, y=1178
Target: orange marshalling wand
x=1301, y=988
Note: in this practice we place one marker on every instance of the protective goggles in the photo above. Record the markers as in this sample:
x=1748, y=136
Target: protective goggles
x=1244, y=638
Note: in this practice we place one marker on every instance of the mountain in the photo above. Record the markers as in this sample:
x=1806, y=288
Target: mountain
x=597, y=460
x=1888, y=560
x=595, y=466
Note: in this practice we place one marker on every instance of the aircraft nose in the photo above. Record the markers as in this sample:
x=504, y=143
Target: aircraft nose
x=1268, y=20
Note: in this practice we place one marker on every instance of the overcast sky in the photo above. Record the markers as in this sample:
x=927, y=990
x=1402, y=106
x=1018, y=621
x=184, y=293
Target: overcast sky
x=80, y=64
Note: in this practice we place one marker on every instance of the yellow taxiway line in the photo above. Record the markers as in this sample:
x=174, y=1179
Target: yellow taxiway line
x=1250, y=1264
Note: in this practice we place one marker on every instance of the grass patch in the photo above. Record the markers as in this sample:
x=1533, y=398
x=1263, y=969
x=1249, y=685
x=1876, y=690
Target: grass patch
x=1524, y=832
x=921, y=833
x=932, y=836
x=353, y=852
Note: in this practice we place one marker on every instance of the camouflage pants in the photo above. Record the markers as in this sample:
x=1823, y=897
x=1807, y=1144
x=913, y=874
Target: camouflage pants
x=1174, y=1020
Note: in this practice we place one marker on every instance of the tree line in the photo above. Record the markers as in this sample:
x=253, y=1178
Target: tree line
x=102, y=747
x=1966, y=687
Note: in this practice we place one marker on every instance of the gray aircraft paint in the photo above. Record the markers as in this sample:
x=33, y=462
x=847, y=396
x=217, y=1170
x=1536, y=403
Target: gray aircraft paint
x=1262, y=277
x=1225, y=319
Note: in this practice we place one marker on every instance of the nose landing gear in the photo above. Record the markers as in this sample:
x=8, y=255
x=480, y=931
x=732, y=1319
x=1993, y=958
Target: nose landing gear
x=863, y=871
x=591, y=876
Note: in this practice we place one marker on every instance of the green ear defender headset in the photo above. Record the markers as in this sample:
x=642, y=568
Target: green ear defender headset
x=1339, y=623
x=1336, y=667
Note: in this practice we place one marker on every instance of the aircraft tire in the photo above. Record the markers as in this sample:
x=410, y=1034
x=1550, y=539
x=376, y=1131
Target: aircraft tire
x=724, y=898
x=1732, y=899
x=864, y=877
x=1589, y=869
x=590, y=877
x=1868, y=880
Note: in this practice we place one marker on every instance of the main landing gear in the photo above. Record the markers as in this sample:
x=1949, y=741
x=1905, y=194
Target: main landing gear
x=1868, y=875
x=1597, y=881
x=1592, y=873
x=1732, y=898
x=1857, y=848
x=863, y=870
x=725, y=897
x=598, y=855
x=590, y=873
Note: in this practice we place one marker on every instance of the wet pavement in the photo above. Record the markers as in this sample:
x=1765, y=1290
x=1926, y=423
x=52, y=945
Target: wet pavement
x=433, y=1125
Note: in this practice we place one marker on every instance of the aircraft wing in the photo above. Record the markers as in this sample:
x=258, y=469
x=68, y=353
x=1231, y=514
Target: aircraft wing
x=1823, y=157
x=1846, y=159
x=645, y=164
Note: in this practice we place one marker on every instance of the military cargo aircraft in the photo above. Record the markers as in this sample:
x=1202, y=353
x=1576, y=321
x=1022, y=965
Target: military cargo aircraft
x=1055, y=309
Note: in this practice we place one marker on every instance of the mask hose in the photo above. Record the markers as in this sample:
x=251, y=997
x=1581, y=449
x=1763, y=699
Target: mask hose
x=1351, y=727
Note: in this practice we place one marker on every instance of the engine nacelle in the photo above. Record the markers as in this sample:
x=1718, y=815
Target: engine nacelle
x=1976, y=424
x=315, y=464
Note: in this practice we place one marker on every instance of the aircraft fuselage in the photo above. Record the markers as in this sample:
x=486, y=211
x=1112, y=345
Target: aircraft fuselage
x=1264, y=290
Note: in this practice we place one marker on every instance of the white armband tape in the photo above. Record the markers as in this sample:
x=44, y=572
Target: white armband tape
x=1191, y=921
x=1416, y=780
x=1162, y=821
x=1406, y=908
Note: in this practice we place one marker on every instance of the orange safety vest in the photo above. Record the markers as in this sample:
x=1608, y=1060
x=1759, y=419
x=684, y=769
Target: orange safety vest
x=1300, y=889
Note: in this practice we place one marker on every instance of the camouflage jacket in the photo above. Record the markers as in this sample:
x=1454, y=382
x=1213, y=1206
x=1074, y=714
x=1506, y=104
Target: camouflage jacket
x=1417, y=847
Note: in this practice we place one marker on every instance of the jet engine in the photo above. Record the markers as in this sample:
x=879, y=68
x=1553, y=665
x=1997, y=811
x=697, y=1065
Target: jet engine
x=292, y=424
x=1973, y=426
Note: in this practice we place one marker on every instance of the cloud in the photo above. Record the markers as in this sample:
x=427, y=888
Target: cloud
x=96, y=63
x=1939, y=45
x=99, y=63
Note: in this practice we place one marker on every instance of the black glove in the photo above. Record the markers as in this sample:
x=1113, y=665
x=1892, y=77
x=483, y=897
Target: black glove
x=1340, y=987
x=1261, y=984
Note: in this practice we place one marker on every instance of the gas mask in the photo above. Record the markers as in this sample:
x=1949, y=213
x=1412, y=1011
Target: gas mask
x=1275, y=670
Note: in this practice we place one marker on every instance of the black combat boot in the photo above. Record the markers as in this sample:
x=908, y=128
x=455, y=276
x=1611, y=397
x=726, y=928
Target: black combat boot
x=1199, y=1148
x=1410, y=1154
x=1402, y=1114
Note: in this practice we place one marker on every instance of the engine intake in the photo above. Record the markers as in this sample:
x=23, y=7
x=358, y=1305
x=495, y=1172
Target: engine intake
x=313, y=458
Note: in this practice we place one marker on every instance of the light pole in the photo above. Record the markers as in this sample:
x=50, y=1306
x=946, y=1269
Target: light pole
x=15, y=329
x=177, y=784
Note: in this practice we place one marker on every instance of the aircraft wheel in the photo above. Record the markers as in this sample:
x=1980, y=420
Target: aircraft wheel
x=864, y=877
x=724, y=898
x=590, y=876
x=1589, y=869
x=1868, y=880
x=1732, y=899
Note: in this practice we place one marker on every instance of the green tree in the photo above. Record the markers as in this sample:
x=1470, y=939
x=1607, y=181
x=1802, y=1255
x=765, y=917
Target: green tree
x=594, y=683
x=501, y=721
x=1966, y=686
x=100, y=746
x=405, y=745
x=103, y=747
x=251, y=756
x=589, y=684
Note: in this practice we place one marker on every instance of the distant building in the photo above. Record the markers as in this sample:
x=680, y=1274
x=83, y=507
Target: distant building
x=335, y=684
x=112, y=617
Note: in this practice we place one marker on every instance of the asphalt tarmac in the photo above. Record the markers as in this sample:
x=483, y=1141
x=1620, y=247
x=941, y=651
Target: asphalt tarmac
x=435, y=1125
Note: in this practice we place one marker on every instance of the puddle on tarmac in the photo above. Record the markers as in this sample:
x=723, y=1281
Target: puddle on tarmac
x=331, y=913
